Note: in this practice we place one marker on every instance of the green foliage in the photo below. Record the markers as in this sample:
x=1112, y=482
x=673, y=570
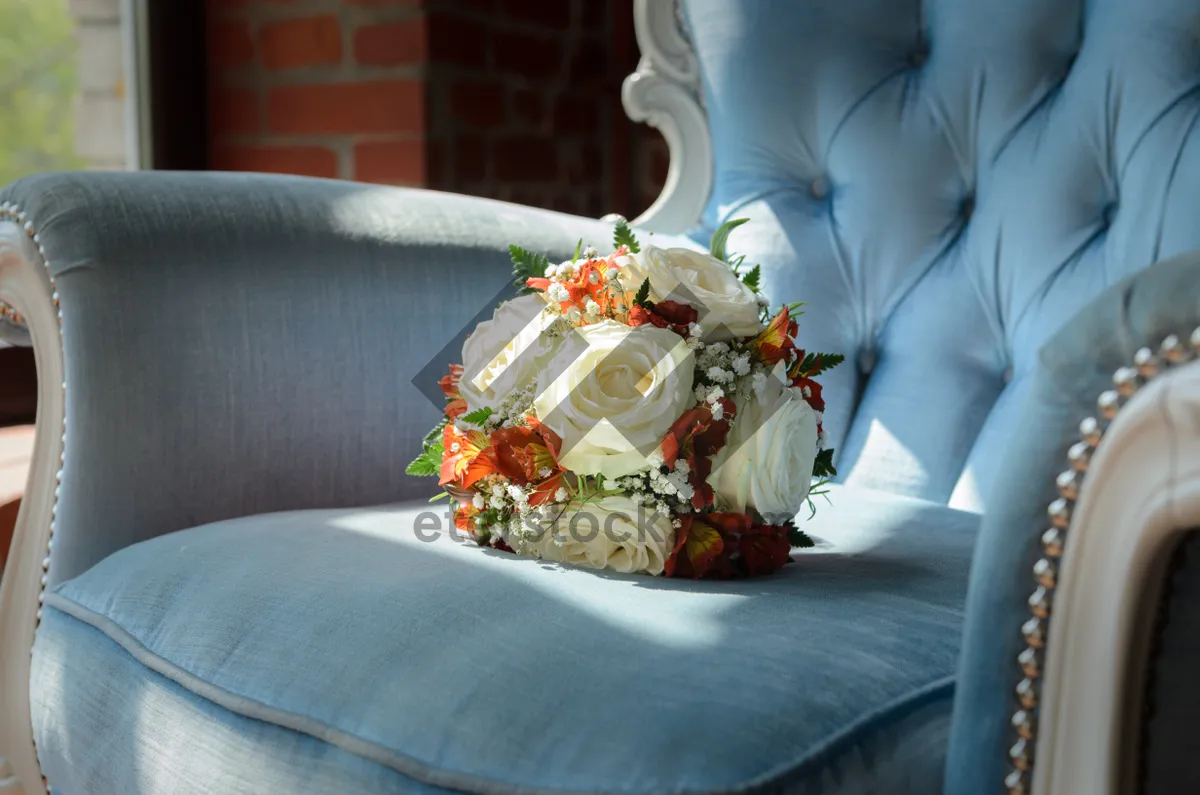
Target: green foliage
x=643, y=295
x=429, y=462
x=720, y=238
x=436, y=434
x=816, y=363
x=478, y=416
x=526, y=264
x=38, y=88
x=799, y=538
x=752, y=277
x=578, y=248
x=823, y=466
x=623, y=236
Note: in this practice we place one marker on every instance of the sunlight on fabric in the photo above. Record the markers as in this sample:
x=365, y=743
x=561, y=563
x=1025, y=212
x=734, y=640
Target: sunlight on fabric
x=684, y=616
x=967, y=496
x=887, y=464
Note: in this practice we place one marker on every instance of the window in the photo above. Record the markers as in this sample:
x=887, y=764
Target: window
x=66, y=97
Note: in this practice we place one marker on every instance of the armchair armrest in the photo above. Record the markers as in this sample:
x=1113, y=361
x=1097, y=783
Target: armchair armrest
x=217, y=345
x=1072, y=558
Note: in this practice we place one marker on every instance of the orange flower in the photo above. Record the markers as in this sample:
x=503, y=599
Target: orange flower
x=696, y=437
x=587, y=282
x=467, y=457
x=774, y=343
x=456, y=408
x=449, y=383
x=700, y=546
x=727, y=545
x=464, y=518
x=525, y=454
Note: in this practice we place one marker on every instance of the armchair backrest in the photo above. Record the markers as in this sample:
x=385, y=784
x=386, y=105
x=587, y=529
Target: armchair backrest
x=944, y=182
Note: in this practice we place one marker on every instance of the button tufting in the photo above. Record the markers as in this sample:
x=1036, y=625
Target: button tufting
x=819, y=187
x=966, y=207
x=918, y=55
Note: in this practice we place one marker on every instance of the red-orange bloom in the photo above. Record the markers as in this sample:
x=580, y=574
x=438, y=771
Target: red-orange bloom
x=701, y=548
x=726, y=545
x=665, y=314
x=774, y=343
x=449, y=383
x=455, y=409
x=812, y=392
x=467, y=456
x=696, y=437
x=763, y=548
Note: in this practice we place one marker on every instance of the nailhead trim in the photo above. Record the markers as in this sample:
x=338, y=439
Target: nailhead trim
x=1147, y=364
x=10, y=314
x=13, y=213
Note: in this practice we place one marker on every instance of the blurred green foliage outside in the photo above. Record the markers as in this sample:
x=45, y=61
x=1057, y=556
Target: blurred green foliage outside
x=38, y=88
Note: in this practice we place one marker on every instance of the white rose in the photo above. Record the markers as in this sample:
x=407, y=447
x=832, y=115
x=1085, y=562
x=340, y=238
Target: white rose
x=505, y=353
x=611, y=392
x=608, y=534
x=767, y=462
x=730, y=308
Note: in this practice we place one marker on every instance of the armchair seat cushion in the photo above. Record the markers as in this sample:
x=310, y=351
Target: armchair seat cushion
x=337, y=651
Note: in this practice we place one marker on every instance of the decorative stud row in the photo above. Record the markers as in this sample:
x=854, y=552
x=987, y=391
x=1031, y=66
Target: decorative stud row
x=1147, y=364
x=10, y=212
x=10, y=314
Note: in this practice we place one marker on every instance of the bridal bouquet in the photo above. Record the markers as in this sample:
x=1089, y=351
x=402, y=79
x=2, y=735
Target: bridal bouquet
x=642, y=411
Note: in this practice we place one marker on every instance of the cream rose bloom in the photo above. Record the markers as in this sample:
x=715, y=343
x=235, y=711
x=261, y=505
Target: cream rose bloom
x=730, y=307
x=767, y=462
x=608, y=534
x=504, y=354
x=611, y=392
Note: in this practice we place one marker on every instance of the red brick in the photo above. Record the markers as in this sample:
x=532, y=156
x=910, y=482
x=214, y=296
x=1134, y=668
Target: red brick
x=591, y=65
x=470, y=160
x=230, y=44
x=527, y=105
x=374, y=107
x=478, y=104
x=456, y=41
x=525, y=160
x=574, y=114
x=596, y=16
x=391, y=43
x=232, y=111
x=551, y=14
x=314, y=161
x=437, y=166
x=307, y=41
x=392, y=162
x=530, y=56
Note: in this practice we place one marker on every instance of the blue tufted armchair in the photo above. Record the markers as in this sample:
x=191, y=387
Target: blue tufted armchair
x=988, y=205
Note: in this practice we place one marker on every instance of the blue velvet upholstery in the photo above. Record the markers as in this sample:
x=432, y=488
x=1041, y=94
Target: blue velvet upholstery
x=946, y=183
x=441, y=663
x=1073, y=369
x=238, y=343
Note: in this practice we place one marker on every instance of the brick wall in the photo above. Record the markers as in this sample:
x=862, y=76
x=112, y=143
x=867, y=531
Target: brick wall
x=513, y=99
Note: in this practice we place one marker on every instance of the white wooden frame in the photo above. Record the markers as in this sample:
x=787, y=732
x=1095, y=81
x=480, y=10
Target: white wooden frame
x=664, y=92
x=1141, y=494
x=25, y=284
